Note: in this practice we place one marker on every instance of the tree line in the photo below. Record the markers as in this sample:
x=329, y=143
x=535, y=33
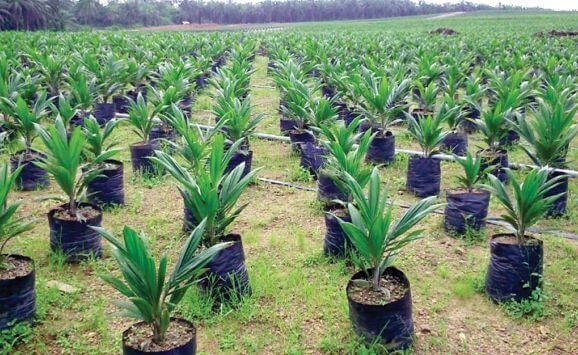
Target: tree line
x=69, y=14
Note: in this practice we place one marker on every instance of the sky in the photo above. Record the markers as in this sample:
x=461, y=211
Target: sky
x=546, y=4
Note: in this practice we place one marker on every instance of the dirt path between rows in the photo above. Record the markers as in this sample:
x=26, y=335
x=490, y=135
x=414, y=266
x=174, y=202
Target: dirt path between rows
x=451, y=14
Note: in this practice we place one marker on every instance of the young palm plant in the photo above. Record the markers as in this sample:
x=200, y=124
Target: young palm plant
x=107, y=72
x=424, y=171
x=194, y=142
x=70, y=223
x=467, y=206
x=153, y=293
x=24, y=123
x=298, y=98
x=83, y=96
x=425, y=96
x=210, y=193
x=492, y=125
x=16, y=271
x=321, y=112
x=516, y=260
x=107, y=188
x=381, y=99
x=452, y=112
x=474, y=93
x=343, y=159
x=141, y=116
x=379, y=296
x=238, y=125
x=549, y=136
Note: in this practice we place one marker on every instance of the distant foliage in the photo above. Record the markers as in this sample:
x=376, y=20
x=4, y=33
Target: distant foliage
x=64, y=14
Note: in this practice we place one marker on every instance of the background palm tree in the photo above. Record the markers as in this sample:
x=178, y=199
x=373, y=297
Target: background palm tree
x=25, y=14
x=87, y=11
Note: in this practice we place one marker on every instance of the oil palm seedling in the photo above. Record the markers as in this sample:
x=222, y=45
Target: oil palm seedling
x=344, y=159
x=381, y=99
x=141, y=115
x=298, y=98
x=321, y=112
x=70, y=222
x=424, y=171
x=516, y=259
x=509, y=91
x=343, y=98
x=136, y=76
x=427, y=68
x=379, y=296
x=82, y=95
x=52, y=71
x=452, y=113
x=107, y=188
x=12, y=82
x=239, y=125
x=211, y=194
x=193, y=145
x=549, y=136
x=452, y=80
x=153, y=293
x=24, y=123
x=161, y=100
x=290, y=76
x=107, y=72
x=492, y=124
x=131, y=83
x=426, y=97
x=177, y=78
x=467, y=205
x=474, y=92
x=17, y=272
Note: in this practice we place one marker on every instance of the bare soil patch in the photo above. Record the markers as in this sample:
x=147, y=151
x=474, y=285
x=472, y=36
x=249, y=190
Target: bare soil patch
x=555, y=33
x=444, y=31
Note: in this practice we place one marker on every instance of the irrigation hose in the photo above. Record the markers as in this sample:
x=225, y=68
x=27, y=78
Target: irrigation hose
x=491, y=220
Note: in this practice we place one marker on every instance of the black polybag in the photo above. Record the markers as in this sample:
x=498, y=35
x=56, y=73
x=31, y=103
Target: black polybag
x=558, y=208
x=31, y=177
x=312, y=157
x=515, y=271
x=381, y=149
x=466, y=210
x=390, y=323
x=103, y=112
x=108, y=187
x=456, y=143
x=423, y=176
x=328, y=191
x=227, y=272
x=239, y=157
x=336, y=242
x=17, y=298
x=74, y=238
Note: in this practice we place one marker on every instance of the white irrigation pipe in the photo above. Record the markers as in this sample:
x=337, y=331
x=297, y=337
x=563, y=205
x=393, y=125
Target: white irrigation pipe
x=441, y=156
x=490, y=220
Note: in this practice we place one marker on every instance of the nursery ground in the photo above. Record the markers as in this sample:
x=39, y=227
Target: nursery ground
x=299, y=304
